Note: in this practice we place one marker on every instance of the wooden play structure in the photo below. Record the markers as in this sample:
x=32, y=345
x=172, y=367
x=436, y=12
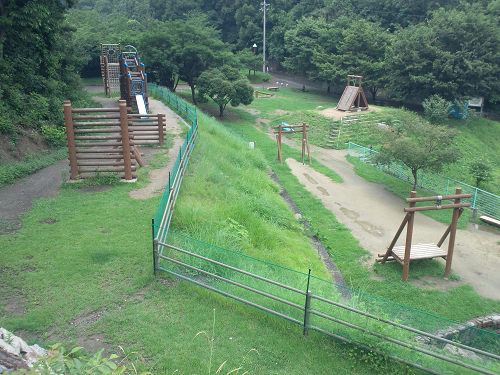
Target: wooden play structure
x=285, y=128
x=110, y=67
x=404, y=254
x=106, y=141
x=133, y=81
x=353, y=96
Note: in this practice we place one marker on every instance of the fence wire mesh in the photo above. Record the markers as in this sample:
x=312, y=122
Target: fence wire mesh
x=389, y=328
x=481, y=200
x=163, y=215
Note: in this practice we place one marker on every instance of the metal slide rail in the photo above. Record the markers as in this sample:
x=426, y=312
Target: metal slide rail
x=314, y=311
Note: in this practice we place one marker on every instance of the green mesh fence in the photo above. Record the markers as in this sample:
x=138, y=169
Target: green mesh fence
x=483, y=201
x=163, y=214
x=395, y=331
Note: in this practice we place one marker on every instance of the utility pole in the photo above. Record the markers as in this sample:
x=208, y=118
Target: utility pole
x=264, y=7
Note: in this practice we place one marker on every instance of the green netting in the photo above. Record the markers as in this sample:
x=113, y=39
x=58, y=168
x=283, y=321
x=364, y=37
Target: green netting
x=484, y=201
x=355, y=308
x=173, y=183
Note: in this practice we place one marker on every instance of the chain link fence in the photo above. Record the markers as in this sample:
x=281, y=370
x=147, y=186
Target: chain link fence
x=485, y=202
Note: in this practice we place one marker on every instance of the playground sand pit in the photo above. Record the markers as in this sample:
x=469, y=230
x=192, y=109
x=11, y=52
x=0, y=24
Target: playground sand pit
x=374, y=214
x=337, y=115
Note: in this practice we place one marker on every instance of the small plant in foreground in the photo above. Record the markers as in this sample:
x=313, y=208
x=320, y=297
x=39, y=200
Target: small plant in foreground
x=211, y=341
x=59, y=361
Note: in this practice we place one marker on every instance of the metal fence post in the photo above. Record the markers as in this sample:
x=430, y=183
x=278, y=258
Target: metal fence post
x=475, y=196
x=156, y=258
x=364, y=150
x=447, y=184
x=422, y=182
x=400, y=169
x=307, y=306
x=348, y=148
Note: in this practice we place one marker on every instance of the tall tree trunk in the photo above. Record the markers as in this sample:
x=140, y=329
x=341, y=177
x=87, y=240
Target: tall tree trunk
x=191, y=84
x=414, y=173
x=374, y=90
x=221, y=111
x=3, y=15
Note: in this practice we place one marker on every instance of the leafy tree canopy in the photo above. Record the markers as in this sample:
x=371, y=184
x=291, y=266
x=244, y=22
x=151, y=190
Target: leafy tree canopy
x=419, y=145
x=456, y=54
x=225, y=85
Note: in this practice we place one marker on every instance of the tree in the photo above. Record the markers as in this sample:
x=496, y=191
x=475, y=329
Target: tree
x=455, y=54
x=419, y=145
x=249, y=61
x=196, y=49
x=481, y=170
x=300, y=43
x=155, y=47
x=436, y=109
x=225, y=85
x=362, y=50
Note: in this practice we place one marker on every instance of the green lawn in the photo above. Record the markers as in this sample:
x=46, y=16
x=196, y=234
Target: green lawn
x=78, y=253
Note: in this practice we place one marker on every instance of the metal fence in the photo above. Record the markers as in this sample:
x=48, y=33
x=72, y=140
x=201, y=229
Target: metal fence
x=483, y=201
x=421, y=340
x=424, y=341
x=161, y=221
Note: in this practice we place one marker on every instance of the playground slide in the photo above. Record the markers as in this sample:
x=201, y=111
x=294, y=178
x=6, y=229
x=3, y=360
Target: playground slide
x=141, y=106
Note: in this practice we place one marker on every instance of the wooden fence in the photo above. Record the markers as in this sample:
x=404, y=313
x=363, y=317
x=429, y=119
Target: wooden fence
x=100, y=143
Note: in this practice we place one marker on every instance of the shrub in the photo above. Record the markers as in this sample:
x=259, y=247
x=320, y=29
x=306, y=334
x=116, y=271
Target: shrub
x=436, y=109
x=55, y=136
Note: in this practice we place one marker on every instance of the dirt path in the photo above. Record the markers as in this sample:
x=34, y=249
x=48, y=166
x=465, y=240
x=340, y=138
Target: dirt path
x=17, y=198
x=159, y=177
x=373, y=214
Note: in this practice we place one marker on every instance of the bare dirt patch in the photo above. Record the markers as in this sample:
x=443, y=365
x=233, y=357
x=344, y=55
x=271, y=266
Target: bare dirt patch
x=337, y=115
x=373, y=215
x=29, y=141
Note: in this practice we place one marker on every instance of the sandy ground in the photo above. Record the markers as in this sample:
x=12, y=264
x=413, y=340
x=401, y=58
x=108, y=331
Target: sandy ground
x=159, y=177
x=373, y=215
x=337, y=115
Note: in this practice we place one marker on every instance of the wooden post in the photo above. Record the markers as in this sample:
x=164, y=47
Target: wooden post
x=453, y=231
x=279, y=143
x=303, y=141
x=70, y=137
x=160, y=129
x=307, y=145
x=125, y=140
x=409, y=234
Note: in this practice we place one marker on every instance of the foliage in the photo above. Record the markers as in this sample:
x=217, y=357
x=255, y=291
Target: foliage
x=54, y=135
x=481, y=170
x=436, y=109
x=248, y=60
x=9, y=173
x=224, y=86
x=455, y=54
x=361, y=51
x=61, y=361
x=419, y=145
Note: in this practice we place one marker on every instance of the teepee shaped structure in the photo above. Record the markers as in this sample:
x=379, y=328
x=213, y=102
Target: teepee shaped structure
x=353, y=96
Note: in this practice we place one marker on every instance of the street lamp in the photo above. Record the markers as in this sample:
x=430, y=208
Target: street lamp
x=254, y=48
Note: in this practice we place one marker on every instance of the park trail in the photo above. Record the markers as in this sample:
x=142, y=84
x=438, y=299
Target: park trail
x=374, y=214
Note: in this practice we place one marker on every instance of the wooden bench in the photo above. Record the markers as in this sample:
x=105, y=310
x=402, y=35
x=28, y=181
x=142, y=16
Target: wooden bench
x=273, y=88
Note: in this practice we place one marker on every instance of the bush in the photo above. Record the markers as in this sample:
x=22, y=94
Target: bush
x=436, y=109
x=55, y=136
